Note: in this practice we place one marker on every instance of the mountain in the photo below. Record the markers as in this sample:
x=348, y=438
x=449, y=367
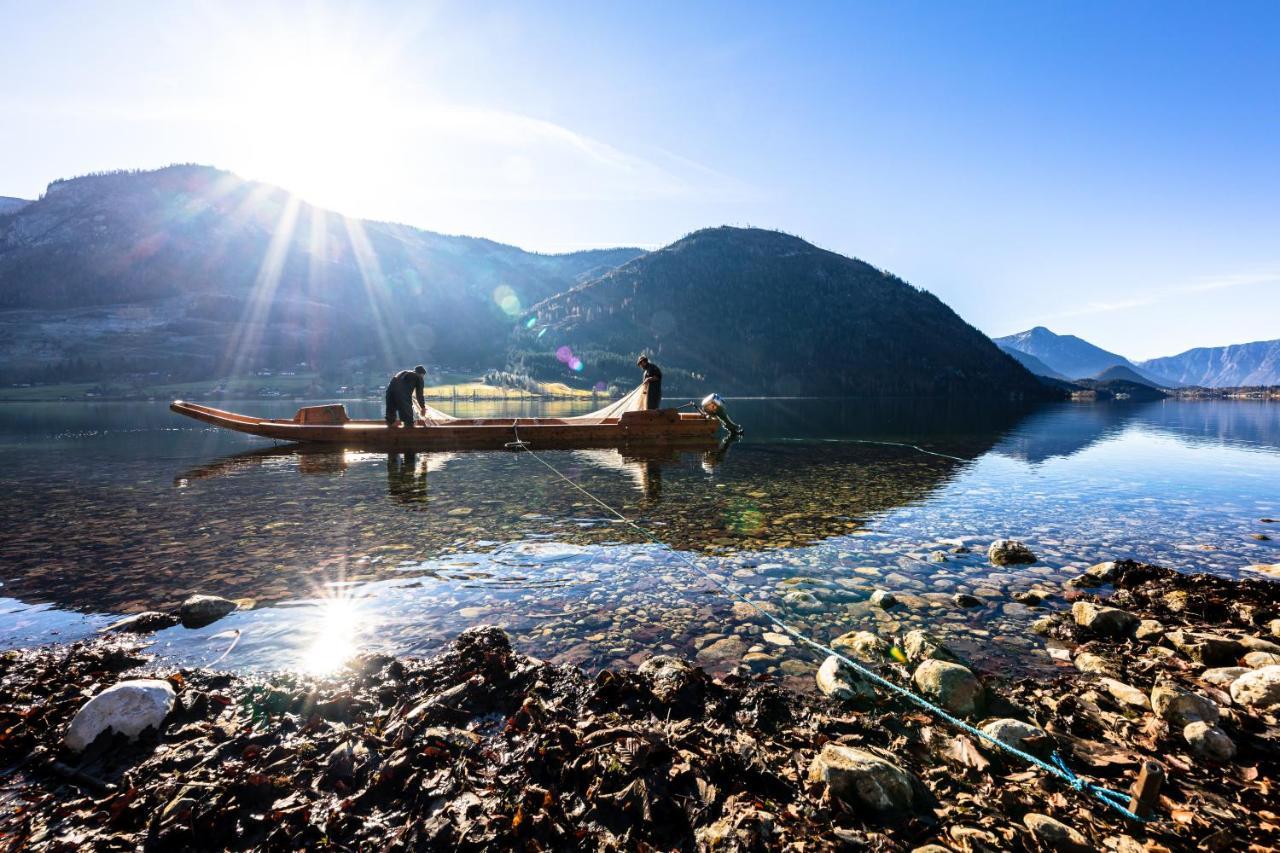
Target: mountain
x=9, y=204
x=1122, y=373
x=1073, y=357
x=1256, y=363
x=192, y=272
x=761, y=312
x=1035, y=365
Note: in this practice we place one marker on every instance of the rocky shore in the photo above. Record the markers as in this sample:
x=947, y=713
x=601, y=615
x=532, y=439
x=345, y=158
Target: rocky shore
x=485, y=748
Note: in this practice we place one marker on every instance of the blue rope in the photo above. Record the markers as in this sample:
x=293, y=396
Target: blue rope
x=1112, y=799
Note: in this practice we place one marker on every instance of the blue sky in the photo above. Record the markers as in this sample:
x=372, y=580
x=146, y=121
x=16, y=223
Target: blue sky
x=1106, y=169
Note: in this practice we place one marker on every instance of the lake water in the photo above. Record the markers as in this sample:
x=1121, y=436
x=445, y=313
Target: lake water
x=111, y=508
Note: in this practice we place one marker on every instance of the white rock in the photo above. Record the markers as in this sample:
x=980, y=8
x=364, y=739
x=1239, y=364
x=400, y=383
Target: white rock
x=863, y=645
x=1013, y=732
x=839, y=681
x=128, y=708
x=1209, y=741
x=1257, y=660
x=858, y=777
x=883, y=598
x=1259, y=688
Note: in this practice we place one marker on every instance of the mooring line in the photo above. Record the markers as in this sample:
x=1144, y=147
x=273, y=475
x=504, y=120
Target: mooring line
x=885, y=443
x=1112, y=799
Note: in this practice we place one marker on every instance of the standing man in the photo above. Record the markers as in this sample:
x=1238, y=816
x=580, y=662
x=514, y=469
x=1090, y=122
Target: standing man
x=400, y=391
x=653, y=381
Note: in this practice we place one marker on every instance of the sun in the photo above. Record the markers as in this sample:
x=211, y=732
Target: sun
x=319, y=119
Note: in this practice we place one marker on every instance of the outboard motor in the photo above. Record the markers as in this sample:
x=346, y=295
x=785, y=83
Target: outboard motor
x=712, y=406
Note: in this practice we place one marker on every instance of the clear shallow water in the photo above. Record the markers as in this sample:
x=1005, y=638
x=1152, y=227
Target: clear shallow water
x=112, y=508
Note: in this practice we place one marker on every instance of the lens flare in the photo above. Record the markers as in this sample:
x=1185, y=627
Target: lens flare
x=531, y=322
x=507, y=300
x=564, y=355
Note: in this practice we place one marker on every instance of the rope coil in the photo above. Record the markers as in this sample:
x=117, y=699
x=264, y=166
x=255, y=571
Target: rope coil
x=1112, y=799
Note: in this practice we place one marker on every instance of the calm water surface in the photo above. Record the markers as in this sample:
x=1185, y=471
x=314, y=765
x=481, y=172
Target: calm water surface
x=112, y=508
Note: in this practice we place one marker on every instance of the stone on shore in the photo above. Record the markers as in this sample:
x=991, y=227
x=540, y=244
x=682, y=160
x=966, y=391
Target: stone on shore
x=1208, y=741
x=1097, y=664
x=1222, y=676
x=857, y=777
x=949, y=684
x=1102, y=620
x=1056, y=835
x=1015, y=733
x=839, y=681
x=669, y=677
x=1180, y=707
x=1126, y=693
x=1148, y=629
x=1208, y=649
x=1104, y=572
x=1009, y=552
x=128, y=708
x=1259, y=688
x=200, y=610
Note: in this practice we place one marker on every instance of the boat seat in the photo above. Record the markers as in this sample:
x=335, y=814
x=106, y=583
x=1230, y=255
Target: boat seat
x=333, y=415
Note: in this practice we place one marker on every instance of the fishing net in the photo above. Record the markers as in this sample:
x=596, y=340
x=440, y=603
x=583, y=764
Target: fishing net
x=630, y=403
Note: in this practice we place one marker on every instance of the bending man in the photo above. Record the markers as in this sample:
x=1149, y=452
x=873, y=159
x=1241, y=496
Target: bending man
x=400, y=391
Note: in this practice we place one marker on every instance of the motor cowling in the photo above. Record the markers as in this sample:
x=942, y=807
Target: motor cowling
x=713, y=406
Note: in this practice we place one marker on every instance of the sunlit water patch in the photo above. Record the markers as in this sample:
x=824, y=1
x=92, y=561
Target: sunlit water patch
x=115, y=508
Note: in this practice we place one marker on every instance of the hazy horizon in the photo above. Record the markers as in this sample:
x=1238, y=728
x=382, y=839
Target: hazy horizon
x=1109, y=172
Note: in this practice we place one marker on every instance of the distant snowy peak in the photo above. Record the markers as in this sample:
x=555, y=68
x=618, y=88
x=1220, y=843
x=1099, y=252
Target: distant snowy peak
x=1256, y=363
x=1070, y=356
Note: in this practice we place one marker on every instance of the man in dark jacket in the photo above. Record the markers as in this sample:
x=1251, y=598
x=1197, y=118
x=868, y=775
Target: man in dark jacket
x=400, y=391
x=653, y=379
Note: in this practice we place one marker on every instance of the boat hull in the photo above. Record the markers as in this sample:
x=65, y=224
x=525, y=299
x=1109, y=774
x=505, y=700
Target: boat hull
x=660, y=426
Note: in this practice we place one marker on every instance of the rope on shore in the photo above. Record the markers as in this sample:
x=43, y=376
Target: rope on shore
x=1114, y=800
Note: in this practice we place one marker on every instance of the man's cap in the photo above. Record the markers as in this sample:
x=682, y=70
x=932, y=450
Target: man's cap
x=420, y=369
x=642, y=359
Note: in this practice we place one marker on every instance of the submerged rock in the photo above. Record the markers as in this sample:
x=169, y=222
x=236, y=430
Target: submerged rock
x=883, y=598
x=128, y=708
x=729, y=648
x=857, y=777
x=143, y=623
x=920, y=645
x=1009, y=552
x=949, y=684
x=1259, y=688
x=200, y=610
x=863, y=645
x=964, y=599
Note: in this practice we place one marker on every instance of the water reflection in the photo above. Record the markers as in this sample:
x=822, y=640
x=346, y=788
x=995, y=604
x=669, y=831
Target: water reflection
x=110, y=509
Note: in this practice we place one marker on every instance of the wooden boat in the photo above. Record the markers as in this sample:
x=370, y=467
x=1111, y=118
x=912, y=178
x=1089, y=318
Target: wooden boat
x=330, y=425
